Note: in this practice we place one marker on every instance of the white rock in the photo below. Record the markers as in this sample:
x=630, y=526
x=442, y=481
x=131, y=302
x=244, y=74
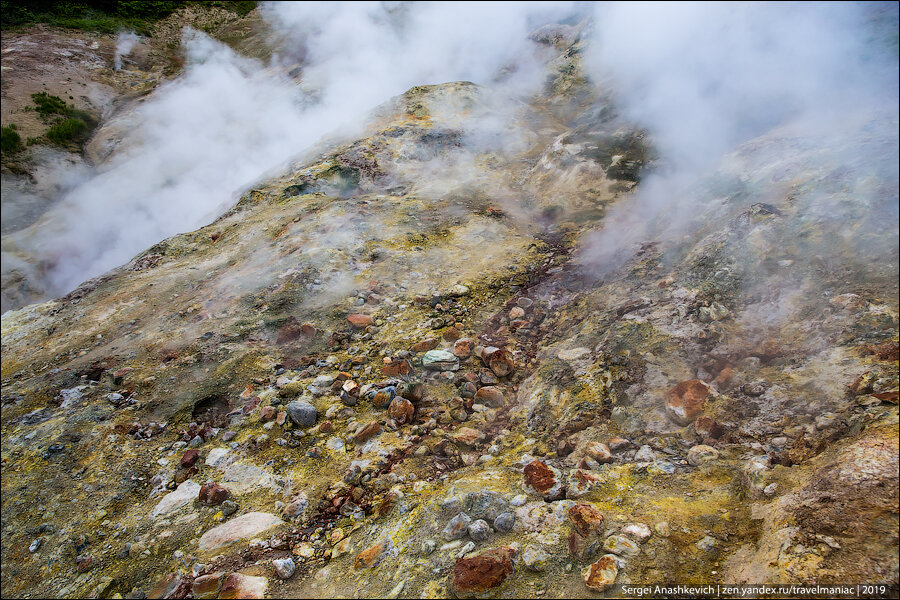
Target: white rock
x=171, y=502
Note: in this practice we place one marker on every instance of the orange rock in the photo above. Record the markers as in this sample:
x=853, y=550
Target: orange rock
x=542, y=479
x=267, y=413
x=360, y=321
x=586, y=519
x=685, y=401
x=463, y=347
x=598, y=451
x=372, y=555
x=467, y=436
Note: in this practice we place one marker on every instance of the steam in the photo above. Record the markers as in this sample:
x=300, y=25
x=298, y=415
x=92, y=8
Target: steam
x=703, y=78
x=227, y=120
x=125, y=43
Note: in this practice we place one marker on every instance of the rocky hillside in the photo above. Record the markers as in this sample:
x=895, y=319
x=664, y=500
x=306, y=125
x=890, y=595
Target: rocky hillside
x=400, y=368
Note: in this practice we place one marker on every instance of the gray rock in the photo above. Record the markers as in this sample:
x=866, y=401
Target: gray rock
x=485, y=505
x=479, y=530
x=229, y=507
x=302, y=413
x=645, y=454
x=457, y=527
x=504, y=522
x=34, y=546
x=428, y=546
x=284, y=567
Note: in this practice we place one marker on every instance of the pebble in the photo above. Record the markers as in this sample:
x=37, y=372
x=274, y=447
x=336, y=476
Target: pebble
x=479, y=530
x=707, y=544
x=621, y=545
x=428, y=546
x=457, y=527
x=35, y=545
x=302, y=413
x=284, y=567
x=505, y=521
x=645, y=454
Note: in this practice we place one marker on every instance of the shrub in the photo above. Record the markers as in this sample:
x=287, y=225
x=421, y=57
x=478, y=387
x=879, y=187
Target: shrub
x=68, y=130
x=47, y=105
x=10, y=141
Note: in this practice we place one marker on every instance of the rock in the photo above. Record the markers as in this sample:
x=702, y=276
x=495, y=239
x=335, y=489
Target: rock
x=401, y=410
x=708, y=428
x=397, y=367
x=84, y=563
x=586, y=519
x=428, y=546
x=297, y=506
x=498, y=361
x=662, y=529
x=543, y=480
x=645, y=454
x=425, y=345
x=267, y=413
x=467, y=436
x=189, y=458
x=621, y=545
x=302, y=413
x=477, y=575
x=360, y=321
x=208, y=586
x=601, y=575
x=212, y=494
x=581, y=482
x=637, y=531
x=535, y=558
x=463, y=348
x=504, y=522
x=485, y=505
x=451, y=334
x=701, y=454
x=617, y=444
x=479, y=530
x=374, y=554
x=35, y=545
x=242, y=527
x=165, y=587
x=440, y=360
x=707, y=544
x=229, y=507
x=237, y=585
x=490, y=396
x=685, y=401
x=414, y=392
x=183, y=494
x=284, y=567
x=216, y=457
x=367, y=432
x=457, y=527
x=599, y=452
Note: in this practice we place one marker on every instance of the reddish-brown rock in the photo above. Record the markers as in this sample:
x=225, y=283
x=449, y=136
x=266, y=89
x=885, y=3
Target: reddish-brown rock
x=372, y=555
x=189, y=458
x=491, y=396
x=212, y=494
x=543, y=479
x=478, y=574
x=401, y=410
x=397, y=367
x=425, y=345
x=708, y=428
x=267, y=413
x=685, y=401
x=367, y=432
x=451, y=334
x=463, y=347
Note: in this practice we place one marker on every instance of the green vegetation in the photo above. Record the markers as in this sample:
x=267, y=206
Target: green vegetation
x=108, y=16
x=10, y=141
x=70, y=125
